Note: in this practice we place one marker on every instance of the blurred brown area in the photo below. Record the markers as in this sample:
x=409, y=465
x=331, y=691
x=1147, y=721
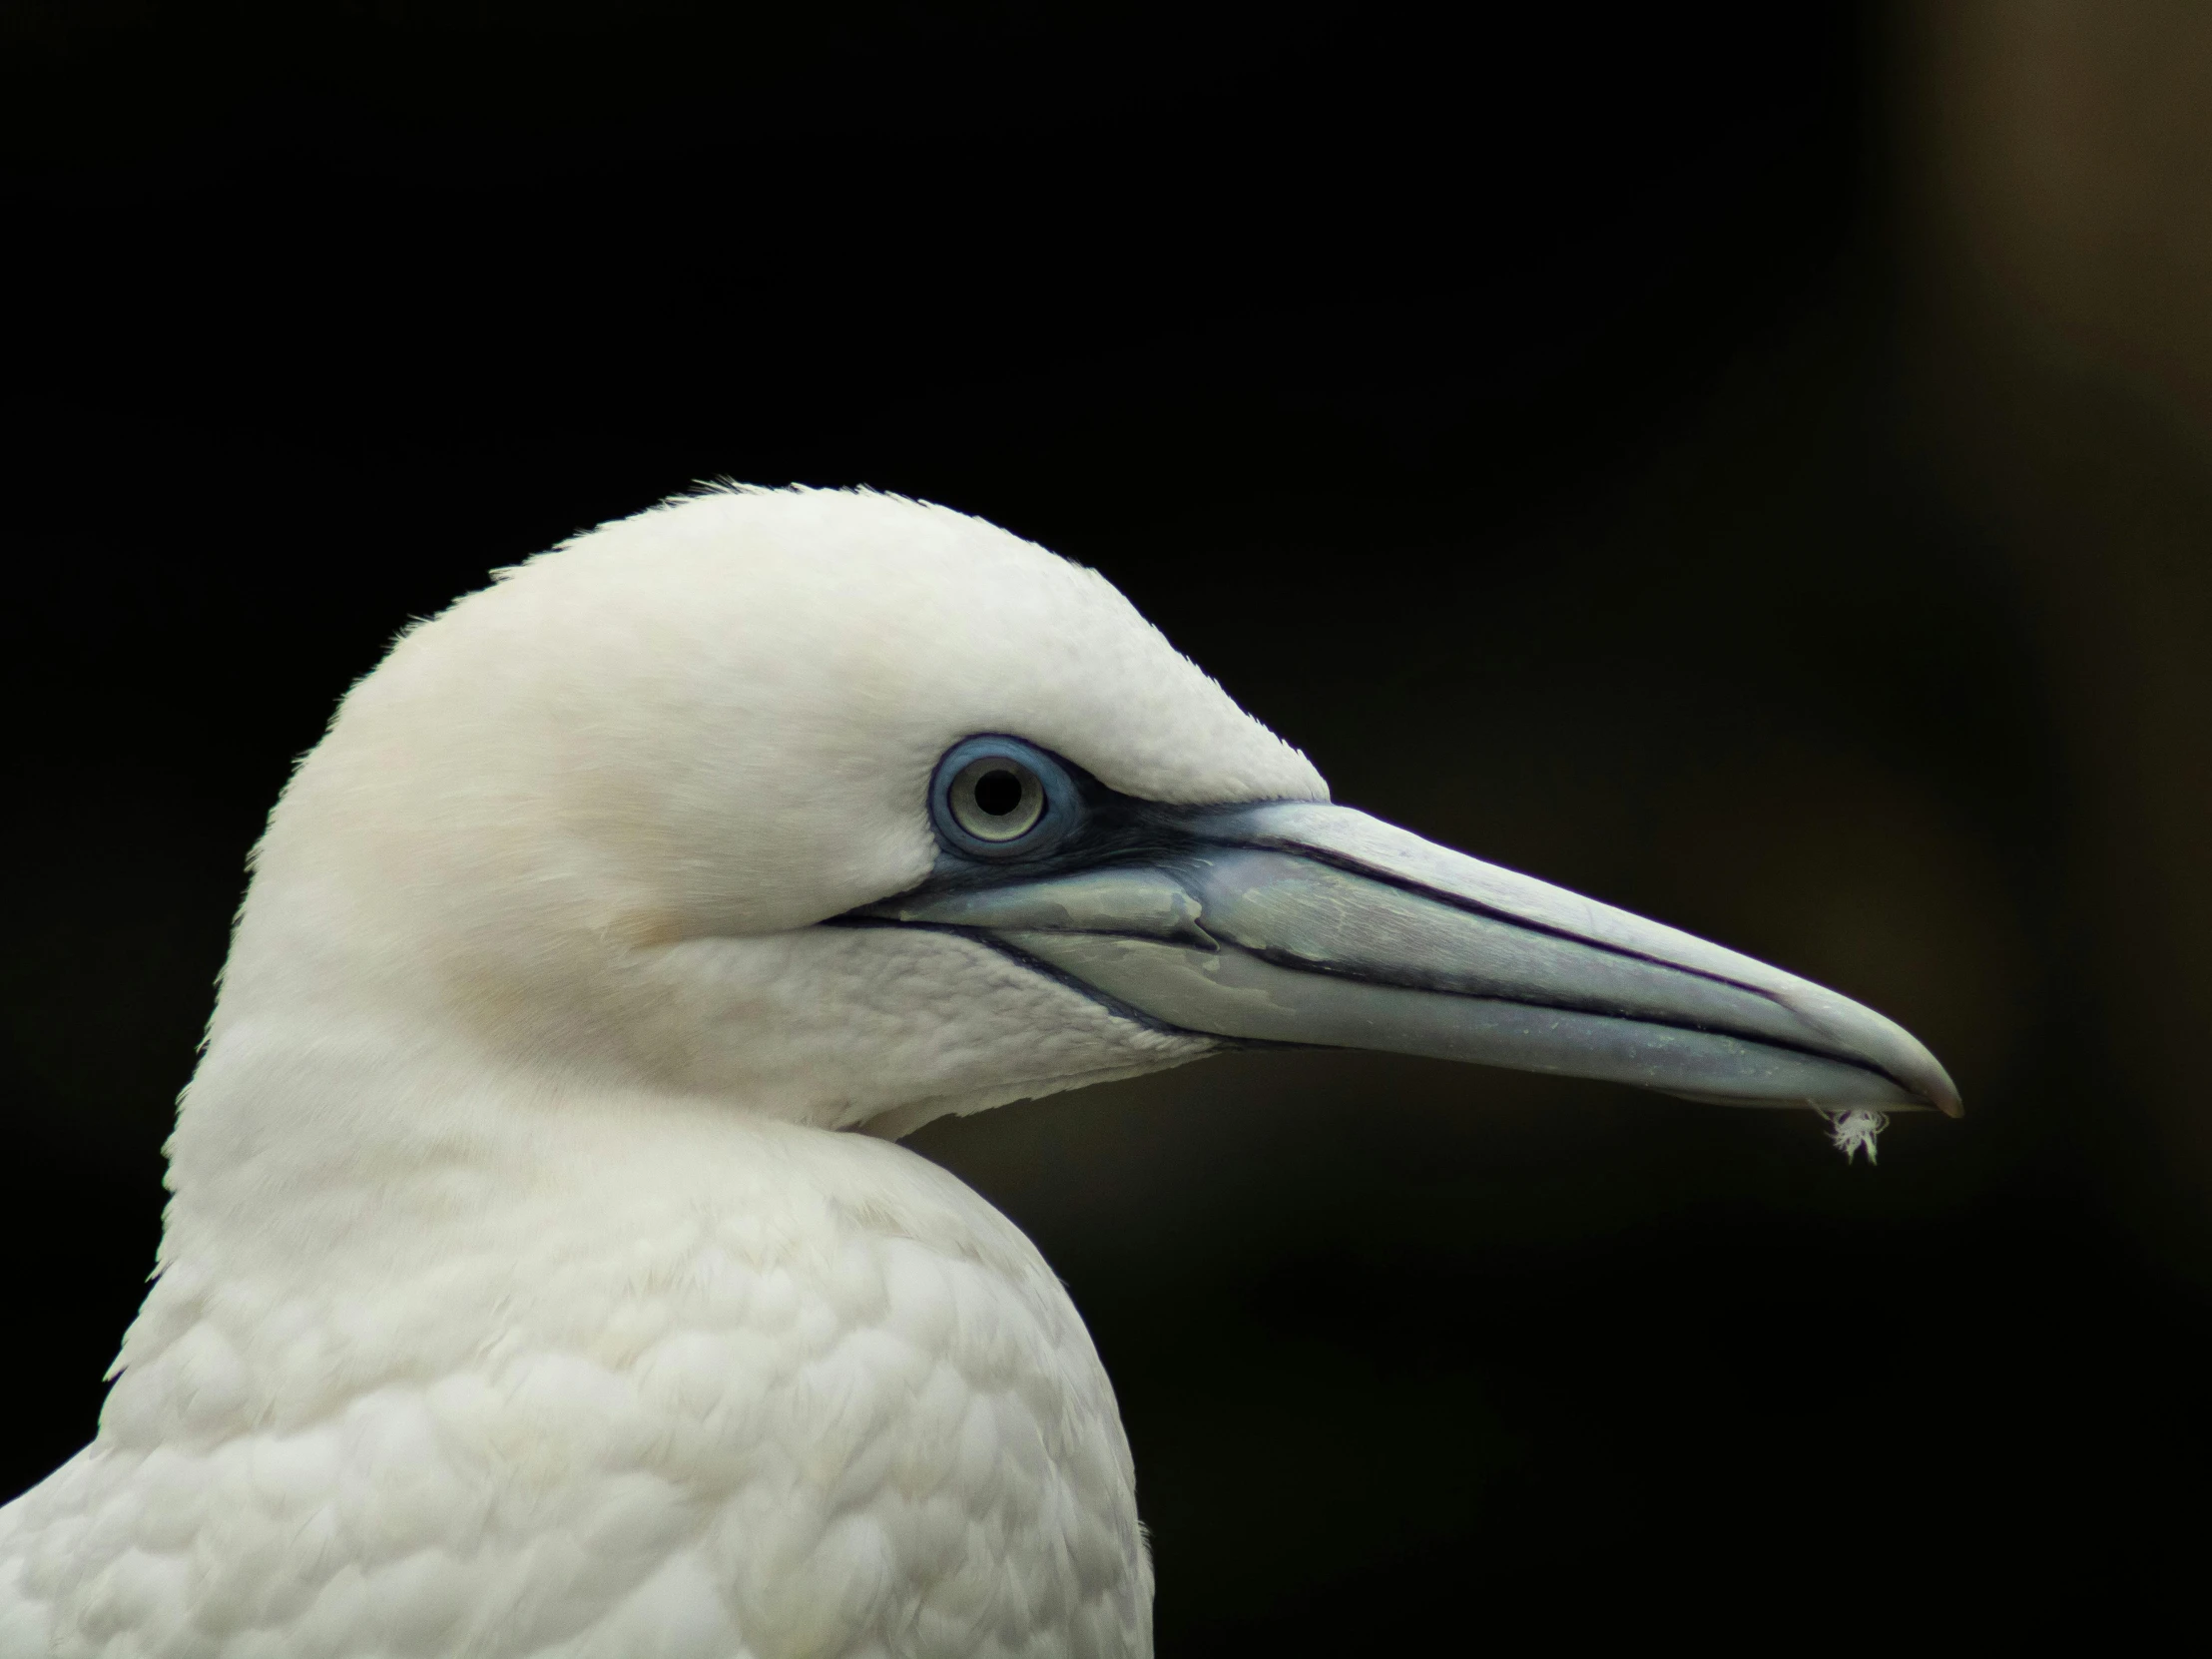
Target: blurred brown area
x=2057, y=188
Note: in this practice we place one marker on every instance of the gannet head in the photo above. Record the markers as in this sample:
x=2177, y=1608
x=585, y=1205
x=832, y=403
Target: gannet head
x=851, y=811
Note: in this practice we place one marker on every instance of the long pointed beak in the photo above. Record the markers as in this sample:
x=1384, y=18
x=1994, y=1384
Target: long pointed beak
x=1299, y=923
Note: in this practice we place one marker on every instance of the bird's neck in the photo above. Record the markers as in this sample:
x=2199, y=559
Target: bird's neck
x=340, y=1226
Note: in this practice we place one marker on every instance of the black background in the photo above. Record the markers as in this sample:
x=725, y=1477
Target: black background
x=1578, y=431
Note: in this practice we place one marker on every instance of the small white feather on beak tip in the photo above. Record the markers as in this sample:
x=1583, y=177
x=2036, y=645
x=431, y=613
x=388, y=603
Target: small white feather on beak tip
x=1854, y=1131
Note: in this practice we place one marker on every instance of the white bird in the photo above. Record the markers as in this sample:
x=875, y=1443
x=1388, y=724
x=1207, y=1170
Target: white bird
x=541, y=1275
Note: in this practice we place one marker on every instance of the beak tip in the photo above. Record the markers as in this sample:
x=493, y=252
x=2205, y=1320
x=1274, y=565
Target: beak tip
x=1935, y=1087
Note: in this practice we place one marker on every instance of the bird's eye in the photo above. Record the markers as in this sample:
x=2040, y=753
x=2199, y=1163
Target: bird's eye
x=996, y=800
x=999, y=796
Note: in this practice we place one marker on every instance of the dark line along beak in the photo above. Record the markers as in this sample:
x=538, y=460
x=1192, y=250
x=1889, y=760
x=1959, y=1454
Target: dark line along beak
x=1300, y=922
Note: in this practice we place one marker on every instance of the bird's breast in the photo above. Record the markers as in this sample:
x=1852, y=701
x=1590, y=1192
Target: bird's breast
x=810, y=1395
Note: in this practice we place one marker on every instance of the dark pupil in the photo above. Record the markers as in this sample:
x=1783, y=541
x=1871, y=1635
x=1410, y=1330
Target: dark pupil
x=999, y=792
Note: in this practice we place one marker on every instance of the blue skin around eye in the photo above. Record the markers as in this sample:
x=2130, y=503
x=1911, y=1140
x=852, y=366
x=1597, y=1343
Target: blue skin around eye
x=1062, y=803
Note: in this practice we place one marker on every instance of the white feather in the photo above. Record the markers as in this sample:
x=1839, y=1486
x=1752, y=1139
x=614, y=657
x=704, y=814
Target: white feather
x=519, y=1292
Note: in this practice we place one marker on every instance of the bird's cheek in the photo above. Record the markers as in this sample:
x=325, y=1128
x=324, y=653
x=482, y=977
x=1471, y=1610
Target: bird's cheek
x=837, y=1026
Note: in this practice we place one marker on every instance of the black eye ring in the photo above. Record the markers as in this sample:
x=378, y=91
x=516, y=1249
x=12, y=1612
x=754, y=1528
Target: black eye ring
x=1001, y=798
